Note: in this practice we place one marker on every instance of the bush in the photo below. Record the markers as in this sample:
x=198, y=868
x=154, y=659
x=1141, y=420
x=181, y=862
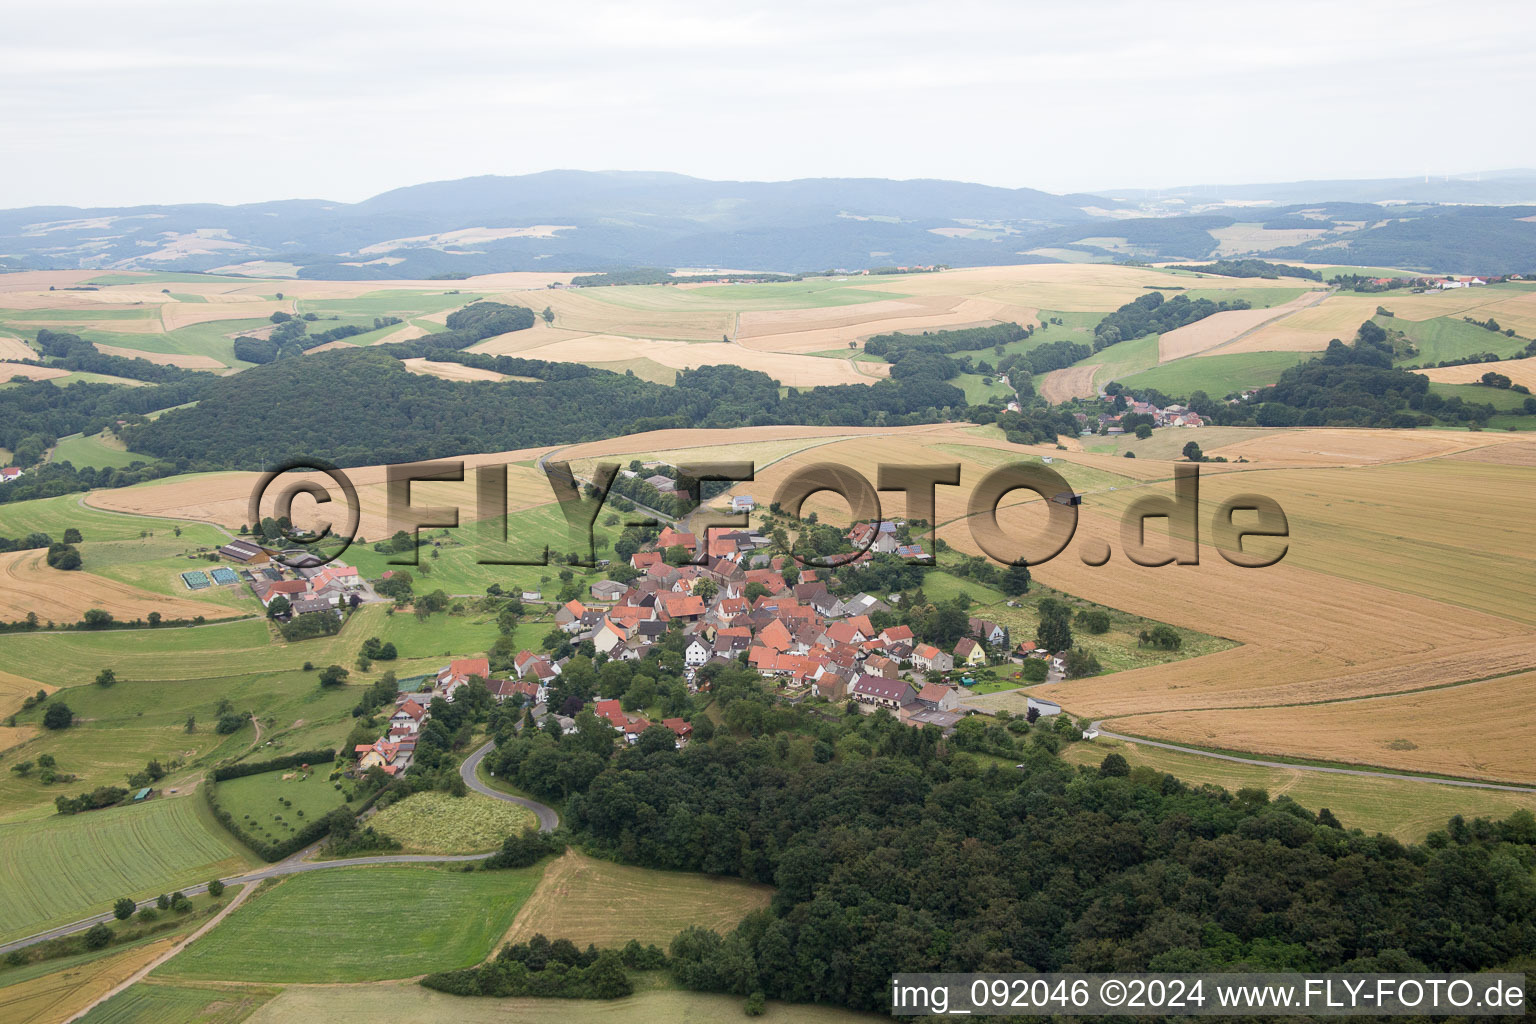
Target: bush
x=215, y=888
x=1093, y=621
x=231, y=723
x=149, y=914
x=1035, y=670
x=123, y=909
x=99, y=937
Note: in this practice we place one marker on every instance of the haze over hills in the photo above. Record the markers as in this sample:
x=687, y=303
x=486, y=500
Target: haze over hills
x=582, y=220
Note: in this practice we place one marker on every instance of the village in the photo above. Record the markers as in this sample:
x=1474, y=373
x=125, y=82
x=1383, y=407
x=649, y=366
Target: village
x=734, y=608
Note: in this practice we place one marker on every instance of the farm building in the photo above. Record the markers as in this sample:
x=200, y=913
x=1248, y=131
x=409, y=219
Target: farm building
x=246, y=552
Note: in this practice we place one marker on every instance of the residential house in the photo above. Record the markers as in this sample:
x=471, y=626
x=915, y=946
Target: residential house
x=881, y=692
x=970, y=652
x=682, y=729
x=408, y=716
x=990, y=633
x=742, y=503
x=928, y=658
x=938, y=697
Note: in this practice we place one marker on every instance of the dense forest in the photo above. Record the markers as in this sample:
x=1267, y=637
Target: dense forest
x=364, y=407
x=891, y=853
x=1255, y=268
x=72, y=352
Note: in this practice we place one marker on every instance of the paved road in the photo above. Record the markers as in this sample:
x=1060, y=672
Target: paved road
x=1365, y=772
x=299, y=862
x=548, y=819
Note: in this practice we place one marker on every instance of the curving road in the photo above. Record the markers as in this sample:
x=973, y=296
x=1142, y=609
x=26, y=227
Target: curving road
x=548, y=819
x=1365, y=772
x=298, y=863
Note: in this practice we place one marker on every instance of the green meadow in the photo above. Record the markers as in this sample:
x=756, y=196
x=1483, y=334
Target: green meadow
x=275, y=805
x=1447, y=337
x=64, y=867
x=98, y=451
x=380, y=922
x=1217, y=375
x=180, y=1004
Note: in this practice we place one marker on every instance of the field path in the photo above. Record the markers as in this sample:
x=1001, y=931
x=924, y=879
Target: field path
x=143, y=972
x=1290, y=766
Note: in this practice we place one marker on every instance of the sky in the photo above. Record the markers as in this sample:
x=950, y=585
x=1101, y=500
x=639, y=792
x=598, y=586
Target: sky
x=163, y=101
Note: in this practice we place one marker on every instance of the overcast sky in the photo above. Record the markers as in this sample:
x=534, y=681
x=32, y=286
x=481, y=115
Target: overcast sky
x=110, y=103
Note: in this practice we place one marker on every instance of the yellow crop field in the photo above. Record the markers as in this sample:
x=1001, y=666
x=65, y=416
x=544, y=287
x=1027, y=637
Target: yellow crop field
x=1519, y=371
x=789, y=369
x=10, y=370
x=14, y=689
x=1479, y=729
x=182, y=359
x=15, y=348
x=55, y=997
x=1310, y=329
x=1068, y=383
x=448, y=371
x=27, y=584
x=1215, y=332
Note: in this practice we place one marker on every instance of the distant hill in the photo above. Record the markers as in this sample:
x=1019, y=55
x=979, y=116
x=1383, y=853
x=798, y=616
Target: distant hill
x=584, y=220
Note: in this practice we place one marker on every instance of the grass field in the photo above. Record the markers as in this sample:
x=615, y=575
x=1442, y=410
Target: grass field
x=1448, y=337
x=274, y=805
x=412, y=1004
x=155, y=1003
x=98, y=451
x=436, y=822
x=1216, y=375
x=1407, y=811
x=588, y=900
x=386, y=922
x=54, y=515
x=63, y=867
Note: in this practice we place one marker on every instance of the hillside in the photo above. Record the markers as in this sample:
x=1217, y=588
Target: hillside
x=565, y=220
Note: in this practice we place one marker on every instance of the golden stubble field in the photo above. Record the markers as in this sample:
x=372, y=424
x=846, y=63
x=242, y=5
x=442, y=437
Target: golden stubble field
x=27, y=584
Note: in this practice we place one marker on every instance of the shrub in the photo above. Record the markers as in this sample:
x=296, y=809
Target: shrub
x=99, y=937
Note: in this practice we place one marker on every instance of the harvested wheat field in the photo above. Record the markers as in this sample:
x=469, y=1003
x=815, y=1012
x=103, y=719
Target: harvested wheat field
x=451, y=371
x=1311, y=328
x=935, y=314
x=56, y=997
x=9, y=370
x=1068, y=383
x=14, y=689
x=15, y=348
x=606, y=904
x=189, y=362
x=1482, y=730
x=790, y=370
x=223, y=498
x=1221, y=329
x=1519, y=371
x=176, y=315
x=27, y=584
x=1514, y=453
x=1347, y=446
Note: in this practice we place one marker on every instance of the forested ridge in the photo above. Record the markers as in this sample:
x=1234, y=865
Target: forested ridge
x=364, y=407
x=890, y=852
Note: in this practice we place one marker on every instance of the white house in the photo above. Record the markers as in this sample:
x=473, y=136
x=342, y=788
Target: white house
x=743, y=503
x=696, y=653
